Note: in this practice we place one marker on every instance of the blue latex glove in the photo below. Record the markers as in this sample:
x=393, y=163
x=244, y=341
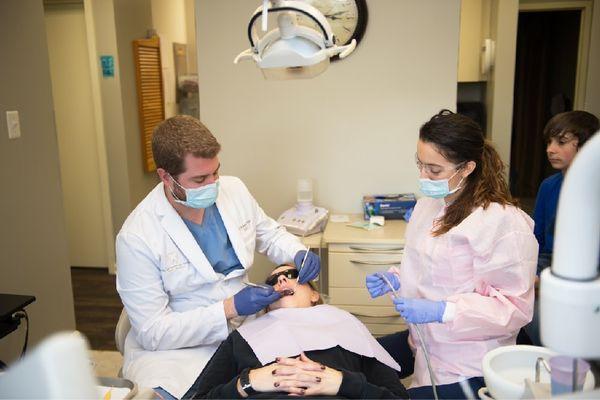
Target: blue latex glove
x=408, y=214
x=420, y=311
x=377, y=286
x=311, y=268
x=251, y=300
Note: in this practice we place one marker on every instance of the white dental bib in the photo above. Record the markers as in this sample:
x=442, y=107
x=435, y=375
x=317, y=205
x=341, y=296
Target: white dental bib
x=286, y=332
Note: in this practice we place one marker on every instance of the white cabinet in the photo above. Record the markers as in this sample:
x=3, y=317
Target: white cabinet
x=352, y=255
x=474, y=28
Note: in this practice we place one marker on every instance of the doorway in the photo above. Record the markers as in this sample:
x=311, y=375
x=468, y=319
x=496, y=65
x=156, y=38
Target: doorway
x=545, y=82
x=76, y=133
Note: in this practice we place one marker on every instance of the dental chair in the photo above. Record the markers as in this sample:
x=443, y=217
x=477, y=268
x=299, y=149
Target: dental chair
x=121, y=330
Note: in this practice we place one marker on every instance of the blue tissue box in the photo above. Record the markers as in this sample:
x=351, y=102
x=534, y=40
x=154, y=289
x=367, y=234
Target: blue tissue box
x=390, y=206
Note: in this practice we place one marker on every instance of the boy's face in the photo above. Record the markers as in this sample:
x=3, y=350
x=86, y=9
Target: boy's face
x=561, y=150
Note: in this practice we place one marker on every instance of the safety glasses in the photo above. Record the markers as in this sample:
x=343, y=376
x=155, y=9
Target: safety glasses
x=291, y=273
x=434, y=169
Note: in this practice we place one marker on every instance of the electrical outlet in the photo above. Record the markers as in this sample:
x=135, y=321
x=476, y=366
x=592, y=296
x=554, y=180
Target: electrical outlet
x=14, y=126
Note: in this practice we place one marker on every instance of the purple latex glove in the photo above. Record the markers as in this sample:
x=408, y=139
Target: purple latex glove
x=420, y=311
x=377, y=286
x=311, y=268
x=251, y=300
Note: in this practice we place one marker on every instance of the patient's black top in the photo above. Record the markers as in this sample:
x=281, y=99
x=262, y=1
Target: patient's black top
x=363, y=377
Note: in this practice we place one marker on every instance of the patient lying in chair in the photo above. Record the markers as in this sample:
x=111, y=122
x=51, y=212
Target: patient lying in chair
x=299, y=347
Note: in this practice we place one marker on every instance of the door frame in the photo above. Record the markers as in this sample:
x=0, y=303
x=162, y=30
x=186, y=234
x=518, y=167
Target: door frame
x=585, y=30
x=100, y=137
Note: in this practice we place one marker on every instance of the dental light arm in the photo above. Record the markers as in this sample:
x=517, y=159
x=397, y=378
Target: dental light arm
x=570, y=290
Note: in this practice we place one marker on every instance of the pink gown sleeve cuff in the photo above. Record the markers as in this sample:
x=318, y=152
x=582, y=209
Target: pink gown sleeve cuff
x=449, y=312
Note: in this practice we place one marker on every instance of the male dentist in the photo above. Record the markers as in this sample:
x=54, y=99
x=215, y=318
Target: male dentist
x=183, y=255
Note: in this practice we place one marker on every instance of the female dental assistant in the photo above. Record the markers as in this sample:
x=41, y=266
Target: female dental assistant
x=469, y=263
x=183, y=256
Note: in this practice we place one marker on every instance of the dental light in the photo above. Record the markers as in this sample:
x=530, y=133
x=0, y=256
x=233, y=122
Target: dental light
x=292, y=51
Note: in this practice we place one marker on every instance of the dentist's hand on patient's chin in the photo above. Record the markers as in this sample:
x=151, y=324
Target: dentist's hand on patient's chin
x=304, y=377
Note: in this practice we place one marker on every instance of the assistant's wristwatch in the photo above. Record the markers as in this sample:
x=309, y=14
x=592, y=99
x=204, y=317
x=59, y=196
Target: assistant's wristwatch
x=245, y=382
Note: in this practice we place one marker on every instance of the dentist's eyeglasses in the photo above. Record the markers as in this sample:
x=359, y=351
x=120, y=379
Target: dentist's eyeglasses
x=291, y=273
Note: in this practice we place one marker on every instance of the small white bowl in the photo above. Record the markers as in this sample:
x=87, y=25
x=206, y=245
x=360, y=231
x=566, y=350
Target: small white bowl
x=506, y=368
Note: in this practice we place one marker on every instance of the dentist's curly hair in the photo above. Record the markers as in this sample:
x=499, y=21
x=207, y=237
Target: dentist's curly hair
x=460, y=140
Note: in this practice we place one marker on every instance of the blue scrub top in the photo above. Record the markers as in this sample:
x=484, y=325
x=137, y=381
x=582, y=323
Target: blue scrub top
x=544, y=213
x=213, y=239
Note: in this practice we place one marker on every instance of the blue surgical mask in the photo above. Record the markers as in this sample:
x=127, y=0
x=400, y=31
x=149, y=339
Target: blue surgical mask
x=438, y=189
x=202, y=197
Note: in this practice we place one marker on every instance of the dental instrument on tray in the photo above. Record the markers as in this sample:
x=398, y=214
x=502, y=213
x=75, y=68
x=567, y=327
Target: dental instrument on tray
x=422, y=343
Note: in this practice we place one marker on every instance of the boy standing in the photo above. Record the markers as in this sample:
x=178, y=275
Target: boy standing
x=565, y=134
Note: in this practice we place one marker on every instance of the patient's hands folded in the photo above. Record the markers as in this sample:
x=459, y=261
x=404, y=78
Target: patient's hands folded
x=299, y=376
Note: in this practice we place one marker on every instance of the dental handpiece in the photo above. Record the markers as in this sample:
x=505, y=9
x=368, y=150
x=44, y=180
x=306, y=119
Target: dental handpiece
x=422, y=343
x=395, y=293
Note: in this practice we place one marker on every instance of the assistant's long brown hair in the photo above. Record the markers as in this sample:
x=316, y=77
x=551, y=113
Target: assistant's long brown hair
x=460, y=140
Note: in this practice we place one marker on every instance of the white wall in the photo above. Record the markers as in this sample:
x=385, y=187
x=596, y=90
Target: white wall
x=35, y=258
x=499, y=93
x=169, y=20
x=101, y=30
x=592, y=93
x=352, y=129
x=132, y=19
x=190, y=33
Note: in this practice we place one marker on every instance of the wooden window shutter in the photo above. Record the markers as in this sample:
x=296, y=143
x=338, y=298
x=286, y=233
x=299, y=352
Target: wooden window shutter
x=148, y=72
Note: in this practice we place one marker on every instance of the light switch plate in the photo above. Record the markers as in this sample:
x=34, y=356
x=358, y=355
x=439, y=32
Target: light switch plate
x=14, y=126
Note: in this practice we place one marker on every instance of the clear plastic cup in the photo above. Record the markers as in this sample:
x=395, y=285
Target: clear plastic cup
x=561, y=374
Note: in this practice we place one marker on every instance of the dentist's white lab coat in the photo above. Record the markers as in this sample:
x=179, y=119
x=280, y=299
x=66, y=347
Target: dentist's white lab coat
x=171, y=293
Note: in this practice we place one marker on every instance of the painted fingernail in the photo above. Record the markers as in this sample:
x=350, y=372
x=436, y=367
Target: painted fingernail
x=274, y=372
x=276, y=384
x=318, y=379
x=323, y=367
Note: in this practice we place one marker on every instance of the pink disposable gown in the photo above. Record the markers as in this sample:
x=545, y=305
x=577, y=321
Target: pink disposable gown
x=484, y=268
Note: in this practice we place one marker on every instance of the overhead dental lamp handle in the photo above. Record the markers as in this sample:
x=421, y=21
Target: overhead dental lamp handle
x=265, y=15
x=349, y=48
x=342, y=51
x=244, y=55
